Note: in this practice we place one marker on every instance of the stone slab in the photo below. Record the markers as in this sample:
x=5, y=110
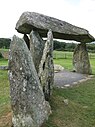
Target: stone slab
x=61, y=29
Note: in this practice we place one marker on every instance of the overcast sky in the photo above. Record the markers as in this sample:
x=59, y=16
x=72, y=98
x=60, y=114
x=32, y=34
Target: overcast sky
x=77, y=12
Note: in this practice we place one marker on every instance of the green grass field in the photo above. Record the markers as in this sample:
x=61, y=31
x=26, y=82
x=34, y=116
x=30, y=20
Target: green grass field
x=80, y=111
x=5, y=108
x=3, y=61
x=65, y=59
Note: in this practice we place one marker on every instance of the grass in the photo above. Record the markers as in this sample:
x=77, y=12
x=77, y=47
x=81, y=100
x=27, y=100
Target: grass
x=68, y=55
x=65, y=59
x=5, y=50
x=80, y=111
x=67, y=64
x=3, y=61
x=4, y=99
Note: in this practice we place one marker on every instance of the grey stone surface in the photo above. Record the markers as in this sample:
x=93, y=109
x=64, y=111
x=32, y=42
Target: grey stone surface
x=81, y=61
x=27, y=99
x=46, y=67
x=66, y=79
x=3, y=67
x=58, y=68
x=36, y=48
x=60, y=29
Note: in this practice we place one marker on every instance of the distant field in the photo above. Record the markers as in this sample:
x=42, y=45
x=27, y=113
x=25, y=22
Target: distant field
x=65, y=59
x=62, y=58
x=68, y=55
x=3, y=62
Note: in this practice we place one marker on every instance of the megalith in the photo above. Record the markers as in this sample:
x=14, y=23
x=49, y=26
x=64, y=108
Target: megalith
x=46, y=67
x=81, y=61
x=27, y=99
x=61, y=29
x=36, y=48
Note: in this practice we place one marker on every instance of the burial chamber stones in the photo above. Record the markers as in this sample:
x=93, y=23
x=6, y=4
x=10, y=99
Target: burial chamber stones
x=31, y=68
x=27, y=99
x=60, y=29
x=81, y=61
x=29, y=21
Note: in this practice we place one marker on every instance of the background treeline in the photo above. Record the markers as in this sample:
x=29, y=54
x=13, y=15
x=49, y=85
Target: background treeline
x=62, y=46
x=5, y=43
x=58, y=45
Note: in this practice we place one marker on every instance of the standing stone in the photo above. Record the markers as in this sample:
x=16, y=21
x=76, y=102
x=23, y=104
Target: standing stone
x=81, y=61
x=36, y=48
x=46, y=67
x=27, y=99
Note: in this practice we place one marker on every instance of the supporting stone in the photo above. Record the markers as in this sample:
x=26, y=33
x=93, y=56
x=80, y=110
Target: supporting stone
x=27, y=99
x=36, y=48
x=81, y=61
x=46, y=67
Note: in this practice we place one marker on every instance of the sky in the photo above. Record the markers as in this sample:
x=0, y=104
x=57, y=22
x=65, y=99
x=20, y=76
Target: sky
x=77, y=12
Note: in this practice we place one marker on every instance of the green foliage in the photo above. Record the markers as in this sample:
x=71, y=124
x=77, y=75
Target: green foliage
x=70, y=46
x=59, y=45
x=62, y=46
x=91, y=47
x=1, y=55
x=5, y=42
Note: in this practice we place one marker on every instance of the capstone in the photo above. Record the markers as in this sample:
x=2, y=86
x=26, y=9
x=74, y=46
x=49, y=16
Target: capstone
x=61, y=29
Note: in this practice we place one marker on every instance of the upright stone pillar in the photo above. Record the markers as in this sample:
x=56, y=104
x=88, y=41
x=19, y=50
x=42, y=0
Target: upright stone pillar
x=81, y=61
x=27, y=99
x=36, y=48
x=46, y=67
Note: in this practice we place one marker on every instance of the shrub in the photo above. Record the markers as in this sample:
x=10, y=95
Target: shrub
x=1, y=55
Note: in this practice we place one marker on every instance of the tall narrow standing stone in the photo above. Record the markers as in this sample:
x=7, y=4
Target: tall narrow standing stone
x=46, y=67
x=81, y=61
x=36, y=48
x=27, y=99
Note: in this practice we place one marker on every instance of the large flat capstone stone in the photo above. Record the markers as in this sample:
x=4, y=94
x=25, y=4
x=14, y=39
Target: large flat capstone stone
x=61, y=29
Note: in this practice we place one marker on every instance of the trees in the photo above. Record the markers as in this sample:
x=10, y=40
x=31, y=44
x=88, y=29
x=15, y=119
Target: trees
x=59, y=45
x=62, y=46
x=5, y=42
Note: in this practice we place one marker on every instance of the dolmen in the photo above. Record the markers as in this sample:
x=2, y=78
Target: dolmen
x=61, y=30
x=31, y=67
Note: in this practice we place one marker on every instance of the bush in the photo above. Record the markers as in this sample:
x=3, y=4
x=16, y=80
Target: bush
x=5, y=43
x=1, y=55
